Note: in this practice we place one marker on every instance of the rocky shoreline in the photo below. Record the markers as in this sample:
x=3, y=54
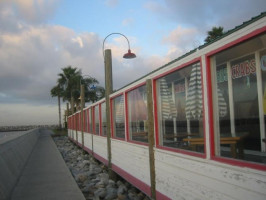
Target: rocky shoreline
x=92, y=176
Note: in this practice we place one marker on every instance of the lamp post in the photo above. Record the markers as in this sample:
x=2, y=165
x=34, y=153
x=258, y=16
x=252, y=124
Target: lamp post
x=109, y=89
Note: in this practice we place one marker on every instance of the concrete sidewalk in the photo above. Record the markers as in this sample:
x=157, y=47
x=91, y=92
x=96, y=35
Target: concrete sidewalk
x=46, y=175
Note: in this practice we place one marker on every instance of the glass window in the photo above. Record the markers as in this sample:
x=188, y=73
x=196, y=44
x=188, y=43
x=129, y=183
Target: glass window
x=180, y=109
x=239, y=101
x=138, y=114
x=97, y=121
x=90, y=130
x=103, y=119
x=118, y=117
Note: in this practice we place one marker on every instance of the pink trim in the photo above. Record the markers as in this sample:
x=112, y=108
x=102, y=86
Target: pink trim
x=200, y=155
x=134, y=181
x=242, y=39
x=126, y=115
x=161, y=196
x=178, y=67
x=88, y=150
x=100, y=158
x=186, y=152
x=136, y=86
x=138, y=142
x=230, y=161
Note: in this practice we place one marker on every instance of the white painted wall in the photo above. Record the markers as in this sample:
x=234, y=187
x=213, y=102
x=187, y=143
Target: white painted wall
x=100, y=146
x=88, y=140
x=132, y=158
x=183, y=177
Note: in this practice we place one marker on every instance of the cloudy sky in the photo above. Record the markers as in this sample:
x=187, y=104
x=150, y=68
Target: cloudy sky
x=40, y=37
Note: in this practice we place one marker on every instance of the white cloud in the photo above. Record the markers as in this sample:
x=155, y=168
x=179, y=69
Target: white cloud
x=128, y=22
x=112, y=3
x=205, y=14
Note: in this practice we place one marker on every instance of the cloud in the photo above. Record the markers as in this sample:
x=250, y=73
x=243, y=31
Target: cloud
x=181, y=40
x=29, y=11
x=112, y=3
x=128, y=22
x=205, y=14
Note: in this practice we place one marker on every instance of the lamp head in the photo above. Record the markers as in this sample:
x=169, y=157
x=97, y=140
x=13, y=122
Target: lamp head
x=129, y=55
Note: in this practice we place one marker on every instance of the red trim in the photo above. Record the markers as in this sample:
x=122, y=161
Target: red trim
x=134, y=87
x=138, y=142
x=240, y=163
x=100, y=158
x=210, y=106
x=111, y=117
x=155, y=113
x=126, y=115
x=112, y=121
x=186, y=152
x=161, y=196
x=134, y=181
x=191, y=153
x=178, y=67
x=100, y=119
x=87, y=149
x=235, y=162
x=239, y=40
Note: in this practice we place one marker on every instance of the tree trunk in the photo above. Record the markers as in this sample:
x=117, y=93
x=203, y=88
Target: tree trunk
x=59, y=111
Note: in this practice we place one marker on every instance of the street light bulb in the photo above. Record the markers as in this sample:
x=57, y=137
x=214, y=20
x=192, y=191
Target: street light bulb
x=129, y=55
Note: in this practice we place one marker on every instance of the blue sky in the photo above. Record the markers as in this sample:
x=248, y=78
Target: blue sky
x=40, y=37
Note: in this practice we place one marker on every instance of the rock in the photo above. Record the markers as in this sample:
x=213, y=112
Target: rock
x=81, y=177
x=104, y=178
x=101, y=192
x=121, y=189
x=92, y=177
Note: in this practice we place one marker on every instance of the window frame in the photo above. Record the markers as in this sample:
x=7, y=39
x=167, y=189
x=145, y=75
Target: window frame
x=156, y=117
x=100, y=111
x=213, y=156
x=127, y=115
x=112, y=117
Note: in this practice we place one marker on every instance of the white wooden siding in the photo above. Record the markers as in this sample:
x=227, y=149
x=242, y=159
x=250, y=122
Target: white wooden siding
x=180, y=177
x=88, y=140
x=100, y=146
x=132, y=158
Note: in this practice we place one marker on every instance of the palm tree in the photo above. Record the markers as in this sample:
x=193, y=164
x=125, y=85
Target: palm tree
x=57, y=91
x=71, y=78
x=214, y=33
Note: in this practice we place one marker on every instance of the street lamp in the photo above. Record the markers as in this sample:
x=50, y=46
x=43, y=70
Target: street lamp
x=129, y=54
x=107, y=55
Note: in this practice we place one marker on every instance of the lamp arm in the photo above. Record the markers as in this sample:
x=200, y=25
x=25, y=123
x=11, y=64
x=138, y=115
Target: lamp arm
x=115, y=34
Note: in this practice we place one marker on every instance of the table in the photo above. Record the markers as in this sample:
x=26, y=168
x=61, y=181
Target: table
x=234, y=142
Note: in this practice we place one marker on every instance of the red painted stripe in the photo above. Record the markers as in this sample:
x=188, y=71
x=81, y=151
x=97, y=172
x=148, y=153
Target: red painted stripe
x=133, y=180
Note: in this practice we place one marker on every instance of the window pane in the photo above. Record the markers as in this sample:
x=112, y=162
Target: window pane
x=90, y=121
x=180, y=109
x=118, y=117
x=138, y=114
x=240, y=125
x=103, y=115
x=97, y=123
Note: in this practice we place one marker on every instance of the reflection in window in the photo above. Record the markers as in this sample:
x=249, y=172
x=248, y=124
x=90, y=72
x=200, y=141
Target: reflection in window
x=138, y=114
x=97, y=123
x=238, y=108
x=90, y=120
x=118, y=117
x=180, y=109
x=103, y=116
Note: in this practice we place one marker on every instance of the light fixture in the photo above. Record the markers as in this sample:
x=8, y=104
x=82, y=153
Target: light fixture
x=129, y=54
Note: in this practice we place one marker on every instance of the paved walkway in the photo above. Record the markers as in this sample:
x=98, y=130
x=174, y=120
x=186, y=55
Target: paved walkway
x=46, y=175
